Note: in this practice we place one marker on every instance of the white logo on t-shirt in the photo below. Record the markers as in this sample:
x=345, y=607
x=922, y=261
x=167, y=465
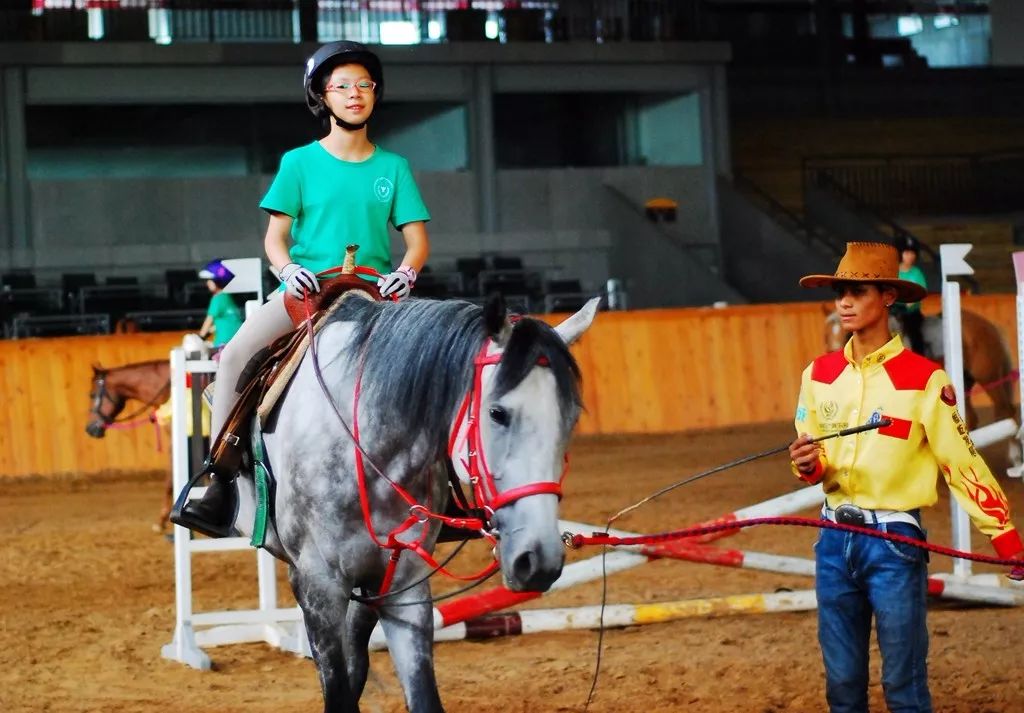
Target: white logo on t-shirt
x=383, y=188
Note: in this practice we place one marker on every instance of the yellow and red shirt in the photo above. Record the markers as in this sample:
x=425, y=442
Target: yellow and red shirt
x=895, y=467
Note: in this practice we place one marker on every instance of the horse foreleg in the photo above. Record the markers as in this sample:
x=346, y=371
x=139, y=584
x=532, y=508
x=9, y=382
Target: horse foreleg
x=161, y=524
x=360, y=623
x=410, y=634
x=1003, y=407
x=324, y=605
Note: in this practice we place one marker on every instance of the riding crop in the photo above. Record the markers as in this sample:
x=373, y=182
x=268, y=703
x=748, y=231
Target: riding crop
x=881, y=423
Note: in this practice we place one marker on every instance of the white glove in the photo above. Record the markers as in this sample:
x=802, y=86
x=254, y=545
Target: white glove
x=299, y=280
x=399, y=283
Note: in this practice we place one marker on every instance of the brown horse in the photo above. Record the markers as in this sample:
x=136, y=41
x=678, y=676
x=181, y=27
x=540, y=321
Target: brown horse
x=988, y=365
x=147, y=382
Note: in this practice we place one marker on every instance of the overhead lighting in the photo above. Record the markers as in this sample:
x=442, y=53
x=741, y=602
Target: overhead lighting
x=491, y=29
x=434, y=30
x=909, y=25
x=399, y=33
x=941, y=22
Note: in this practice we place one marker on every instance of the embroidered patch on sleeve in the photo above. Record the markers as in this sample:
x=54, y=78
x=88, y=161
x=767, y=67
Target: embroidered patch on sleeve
x=948, y=395
x=899, y=428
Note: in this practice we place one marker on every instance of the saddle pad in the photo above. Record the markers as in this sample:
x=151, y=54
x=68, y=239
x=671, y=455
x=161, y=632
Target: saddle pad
x=286, y=369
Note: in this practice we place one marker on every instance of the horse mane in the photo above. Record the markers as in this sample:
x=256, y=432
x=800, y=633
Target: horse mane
x=417, y=356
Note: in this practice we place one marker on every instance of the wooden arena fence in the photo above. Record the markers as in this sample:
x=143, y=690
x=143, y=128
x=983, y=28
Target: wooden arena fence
x=652, y=371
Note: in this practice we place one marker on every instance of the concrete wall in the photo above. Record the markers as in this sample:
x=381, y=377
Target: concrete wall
x=558, y=220
x=761, y=256
x=555, y=219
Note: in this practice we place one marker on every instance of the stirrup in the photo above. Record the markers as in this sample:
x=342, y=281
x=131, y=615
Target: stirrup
x=180, y=516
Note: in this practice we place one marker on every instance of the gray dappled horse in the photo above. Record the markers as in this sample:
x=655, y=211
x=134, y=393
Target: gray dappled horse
x=415, y=362
x=987, y=362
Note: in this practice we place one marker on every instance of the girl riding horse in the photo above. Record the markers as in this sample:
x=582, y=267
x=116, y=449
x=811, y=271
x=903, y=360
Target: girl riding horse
x=338, y=190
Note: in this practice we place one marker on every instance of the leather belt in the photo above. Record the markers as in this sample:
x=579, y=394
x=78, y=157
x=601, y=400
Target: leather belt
x=848, y=514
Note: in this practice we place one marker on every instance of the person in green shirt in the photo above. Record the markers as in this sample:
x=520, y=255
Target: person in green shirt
x=223, y=318
x=340, y=190
x=909, y=314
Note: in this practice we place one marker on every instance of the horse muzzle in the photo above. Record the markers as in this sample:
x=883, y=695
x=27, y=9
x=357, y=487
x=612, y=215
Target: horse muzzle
x=530, y=564
x=96, y=429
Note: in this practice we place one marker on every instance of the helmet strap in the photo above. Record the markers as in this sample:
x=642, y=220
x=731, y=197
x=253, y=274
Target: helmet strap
x=346, y=125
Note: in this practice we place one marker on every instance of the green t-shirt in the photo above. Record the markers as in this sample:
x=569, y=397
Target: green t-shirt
x=336, y=203
x=227, y=318
x=914, y=274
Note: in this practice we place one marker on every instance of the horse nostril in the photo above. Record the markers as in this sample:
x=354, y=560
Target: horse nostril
x=524, y=567
x=95, y=430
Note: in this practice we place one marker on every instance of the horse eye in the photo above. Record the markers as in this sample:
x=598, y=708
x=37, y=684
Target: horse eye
x=499, y=415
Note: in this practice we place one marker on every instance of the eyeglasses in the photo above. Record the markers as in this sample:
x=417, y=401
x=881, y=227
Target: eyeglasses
x=364, y=86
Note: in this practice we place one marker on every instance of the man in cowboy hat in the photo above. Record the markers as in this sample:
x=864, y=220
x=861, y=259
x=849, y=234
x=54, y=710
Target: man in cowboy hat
x=880, y=479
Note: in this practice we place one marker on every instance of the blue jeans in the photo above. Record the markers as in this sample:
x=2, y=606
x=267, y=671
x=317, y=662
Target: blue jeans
x=858, y=576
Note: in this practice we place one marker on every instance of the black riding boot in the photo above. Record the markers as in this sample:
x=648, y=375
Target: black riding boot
x=214, y=513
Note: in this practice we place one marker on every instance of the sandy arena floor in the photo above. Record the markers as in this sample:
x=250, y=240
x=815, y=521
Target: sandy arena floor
x=87, y=600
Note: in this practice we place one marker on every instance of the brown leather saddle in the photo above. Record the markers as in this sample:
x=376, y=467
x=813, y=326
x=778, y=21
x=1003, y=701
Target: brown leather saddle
x=265, y=370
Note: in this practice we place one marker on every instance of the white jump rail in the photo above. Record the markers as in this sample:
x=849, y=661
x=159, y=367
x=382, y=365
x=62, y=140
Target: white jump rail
x=277, y=626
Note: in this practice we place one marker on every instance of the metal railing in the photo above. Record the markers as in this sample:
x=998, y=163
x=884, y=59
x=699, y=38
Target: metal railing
x=901, y=184
x=797, y=225
x=371, y=21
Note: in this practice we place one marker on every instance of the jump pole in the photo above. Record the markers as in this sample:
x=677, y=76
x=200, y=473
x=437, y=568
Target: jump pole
x=619, y=615
x=941, y=587
x=615, y=561
x=280, y=627
x=591, y=569
x=951, y=258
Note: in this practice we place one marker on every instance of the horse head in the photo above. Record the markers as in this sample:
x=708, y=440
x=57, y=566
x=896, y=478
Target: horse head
x=524, y=402
x=105, y=406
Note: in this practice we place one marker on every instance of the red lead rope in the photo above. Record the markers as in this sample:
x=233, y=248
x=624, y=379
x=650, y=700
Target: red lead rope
x=600, y=538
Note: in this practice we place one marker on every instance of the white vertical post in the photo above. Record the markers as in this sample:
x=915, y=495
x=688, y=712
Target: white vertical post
x=183, y=647
x=952, y=260
x=1018, y=271
x=282, y=628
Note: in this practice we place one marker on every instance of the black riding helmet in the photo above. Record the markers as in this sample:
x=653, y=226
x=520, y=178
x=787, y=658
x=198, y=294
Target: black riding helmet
x=907, y=242
x=326, y=59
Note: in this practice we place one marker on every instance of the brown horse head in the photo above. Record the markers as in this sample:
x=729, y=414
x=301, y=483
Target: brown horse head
x=105, y=405
x=148, y=382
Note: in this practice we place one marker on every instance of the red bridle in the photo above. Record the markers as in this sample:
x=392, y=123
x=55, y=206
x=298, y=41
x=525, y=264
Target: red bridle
x=472, y=464
x=485, y=491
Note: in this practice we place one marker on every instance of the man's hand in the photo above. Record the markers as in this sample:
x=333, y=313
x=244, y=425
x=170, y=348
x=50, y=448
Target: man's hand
x=1017, y=573
x=804, y=454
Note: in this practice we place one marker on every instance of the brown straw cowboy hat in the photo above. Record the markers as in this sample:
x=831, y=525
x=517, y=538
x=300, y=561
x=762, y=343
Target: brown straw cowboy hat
x=870, y=262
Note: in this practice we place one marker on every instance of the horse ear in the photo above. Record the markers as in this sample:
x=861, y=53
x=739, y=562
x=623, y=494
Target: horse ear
x=495, y=316
x=97, y=368
x=573, y=328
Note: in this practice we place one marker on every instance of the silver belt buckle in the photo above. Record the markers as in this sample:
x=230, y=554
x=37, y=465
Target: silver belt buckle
x=848, y=514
